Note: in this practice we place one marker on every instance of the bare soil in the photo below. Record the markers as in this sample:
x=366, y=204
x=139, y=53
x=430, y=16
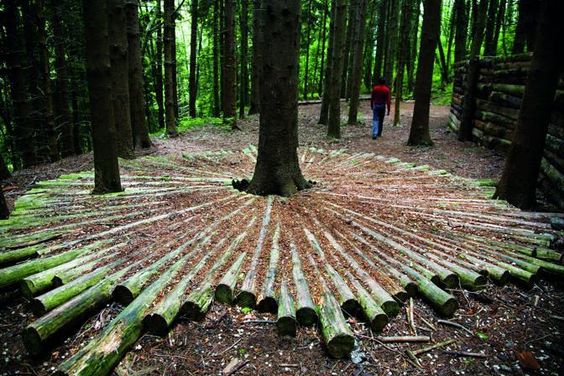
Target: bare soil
x=513, y=330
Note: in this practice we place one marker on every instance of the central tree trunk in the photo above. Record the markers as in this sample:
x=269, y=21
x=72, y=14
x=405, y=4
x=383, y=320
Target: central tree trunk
x=277, y=170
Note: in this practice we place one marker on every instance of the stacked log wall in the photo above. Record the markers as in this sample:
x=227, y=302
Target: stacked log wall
x=500, y=89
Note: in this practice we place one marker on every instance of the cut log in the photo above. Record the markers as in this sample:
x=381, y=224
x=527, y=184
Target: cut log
x=337, y=335
x=305, y=313
x=224, y=291
x=267, y=299
x=371, y=311
x=286, y=319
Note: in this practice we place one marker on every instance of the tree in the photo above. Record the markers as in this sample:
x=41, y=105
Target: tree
x=461, y=15
x=403, y=50
x=119, y=61
x=357, y=61
x=170, y=71
x=256, y=61
x=419, y=133
x=468, y=104
x=216, y=44
x=244, y=81
x=380, y=40
x=229, y=65
x=4, y=172
x=334, y=123
x=522, y=166
x=4, y=211
x=193, y=56
x=277, y=170
x=141, y=137
x=106, y=169
x=324, y=112
x=159, y=65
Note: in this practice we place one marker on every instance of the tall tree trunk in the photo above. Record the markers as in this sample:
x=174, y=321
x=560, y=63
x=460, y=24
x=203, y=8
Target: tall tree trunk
x=45, y=84
x=489, y=38
x=193, y=55
x=357, y=61
x=216, y=43
x=308, y=35
x=4, y=211
x=159, y=65
x=414, y=33
x=170, y=64
x=119, y=61
x=380, y=40
x=76, y=134
x=461, y=30
x=256, y=60
x=419, y=133
x=17, y=65
x=229, y=65
x=277, y=170
x=522, y=166
x=403, y=49
x=392, y=41
x=520, y=36
x=4, y=172
x=347, y=51
x=334, y=123
x=63, y=120
x=140, y=131
x=323, y=33
x=106, y=169
x=324, y=112
x=369, y=45
x=499, y=21
x=469, y=102
x=442, y=63
x=244, y=80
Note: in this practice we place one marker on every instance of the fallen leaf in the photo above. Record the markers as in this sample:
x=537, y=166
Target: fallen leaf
x=528, y=360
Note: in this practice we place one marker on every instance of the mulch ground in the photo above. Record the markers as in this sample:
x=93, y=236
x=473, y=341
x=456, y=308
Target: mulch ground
x=518, y=331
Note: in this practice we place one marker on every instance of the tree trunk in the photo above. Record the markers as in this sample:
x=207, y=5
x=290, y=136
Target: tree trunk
x=411, y=60
x=324, y=112
x=403, y=49
x=308, y=35
x=229, y=68
x=323, y=33
x=392, y=26
x=334, y=123
x=348, y=45
x=277, y=170
x=519, y=178
x=4, y=172
x=380, y=40
x=106, y=169
x=244, y=81
x=357, y=61
x=491, y=22
x=119, y=61
x=419, y=133
x=216, y=43
x=16, y=64
x=4, y=211
x=193, y=55
x=141, y=137
x=499, y=21
x=169, y=63
x=520, y=36
x=369, y=45
x=159, y=64
x=63, y=120
x=469, y=104
x=461, y=30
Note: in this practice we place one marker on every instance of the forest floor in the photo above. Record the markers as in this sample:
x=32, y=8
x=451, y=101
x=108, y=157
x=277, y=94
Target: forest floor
x=510, y=330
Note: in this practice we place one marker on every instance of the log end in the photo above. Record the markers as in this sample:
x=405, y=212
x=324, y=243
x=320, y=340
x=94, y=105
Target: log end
x=379, y=321
x=32, y=340
x=306, y=316
x=411, y=289
x=267, y=304
x=340, y=346
x=450, y=280
x=351, y=307
x=122, y=295
x=27, y=288
x=57, y=281
x=246, y=299
x=448, y=308
x=286, y=326
x=37, y=307
x=192, y=311
x=391, y=307
x=401, y=296
x=224, y=294
x=156, y=324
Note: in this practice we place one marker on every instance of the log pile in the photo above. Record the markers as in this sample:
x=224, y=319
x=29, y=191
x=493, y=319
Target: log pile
x=500, y=88
x=373, y=233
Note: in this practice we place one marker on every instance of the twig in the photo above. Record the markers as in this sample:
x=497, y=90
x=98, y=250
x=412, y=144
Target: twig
x=413, y=358
x=432, y=347
x=404, y=339
x=465, y=354
x=456, y=325
x=230, y=347
x=259, y=322
x=410, y=317
x=288, y=365
x=237, y=368
x=429, y=324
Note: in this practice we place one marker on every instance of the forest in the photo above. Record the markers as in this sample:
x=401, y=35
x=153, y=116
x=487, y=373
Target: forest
x=281, y=187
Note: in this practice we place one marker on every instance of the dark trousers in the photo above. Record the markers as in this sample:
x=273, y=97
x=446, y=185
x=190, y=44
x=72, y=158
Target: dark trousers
x=379, y=111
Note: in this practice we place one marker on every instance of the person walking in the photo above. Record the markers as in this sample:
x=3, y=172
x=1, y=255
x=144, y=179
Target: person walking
x=380, y=99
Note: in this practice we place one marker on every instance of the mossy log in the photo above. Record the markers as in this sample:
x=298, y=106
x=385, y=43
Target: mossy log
x=305, y=313
x=267, y=298
x=286, y=319
x=487, y=106
x=337, y=335
x=224, y=292
x=371, y=311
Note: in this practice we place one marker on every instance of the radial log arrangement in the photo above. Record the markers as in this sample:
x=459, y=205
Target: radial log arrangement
x=371, y=233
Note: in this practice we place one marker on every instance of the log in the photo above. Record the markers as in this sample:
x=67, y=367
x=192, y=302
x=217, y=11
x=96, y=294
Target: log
x=224, y=291
x=371, y=311
x=305, y=313
x=337, y=335
x=488, y=106
x=286, y=318
x=444, y=303
x=267, y=298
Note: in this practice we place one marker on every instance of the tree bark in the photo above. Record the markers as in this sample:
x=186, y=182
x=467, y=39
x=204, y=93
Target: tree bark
x=334, y=123
x=392, y=41
x=489, y=48
x=159, y=65
x=141, y=137
x=277, y=170
x=308, y=35
x=63, y=119
x=106, y=169
x=216, y=43
x=469, y=104
x=244, y=81
x=119, y=61
x=411, y=60
x=380, y=40
x=169, y=63
x=193, y=56
x=229, y=65
x=4, y=211
x=369, y=45
x=522, y=166
x=403, y=49
x=324, y=112
x=348, y=44
x=357, y=61
x=419, y=133
x=323, y=33
x=4, y=172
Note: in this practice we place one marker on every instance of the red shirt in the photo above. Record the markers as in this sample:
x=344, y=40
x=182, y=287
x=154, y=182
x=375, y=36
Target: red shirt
x=381, y=95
